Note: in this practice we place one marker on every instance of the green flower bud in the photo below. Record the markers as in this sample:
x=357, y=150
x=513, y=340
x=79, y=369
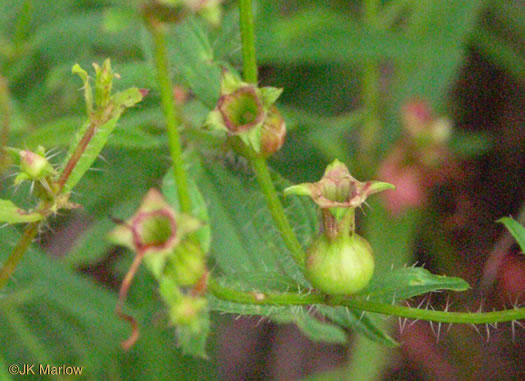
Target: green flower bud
x=187, y=310
x=34, y=166
x=103, y=83
x=187, y=265
x=340, y=266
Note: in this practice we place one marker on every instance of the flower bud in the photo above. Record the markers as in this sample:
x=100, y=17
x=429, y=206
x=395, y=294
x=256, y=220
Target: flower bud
x=34, y=166
x=187, y=265
x=103, y=83
x=273, y=132
x=187, y=310
x=340, y=266
x=416, y=115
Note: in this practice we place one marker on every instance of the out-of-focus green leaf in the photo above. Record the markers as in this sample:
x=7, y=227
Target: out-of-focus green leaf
x=52, y=314
x=516, y=229
x=314, y=36
x=12, y=214
x=467, y=144
x=363, y=323
x=192, y=58
x=499, y=52
x=321, y=331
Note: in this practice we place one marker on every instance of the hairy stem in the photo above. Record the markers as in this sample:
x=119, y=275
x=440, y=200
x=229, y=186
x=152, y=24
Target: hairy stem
x=248, y=41
x=172, y=114
x=309, y=298
x=18, y=252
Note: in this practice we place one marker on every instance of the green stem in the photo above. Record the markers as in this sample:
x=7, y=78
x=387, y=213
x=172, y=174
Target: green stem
x=18, y=252
x=248, y=41
x=370, y=92
x=172, y=114
x=4, y=109
x=276, y=209
x=309, y=298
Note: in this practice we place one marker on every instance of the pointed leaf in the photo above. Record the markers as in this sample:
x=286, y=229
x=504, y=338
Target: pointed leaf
x=361, y=322
x=408, y=282
x=97, y=142
x=12, y=214
x=516, y=229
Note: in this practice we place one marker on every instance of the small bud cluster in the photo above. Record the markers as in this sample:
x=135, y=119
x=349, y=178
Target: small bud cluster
x=416, y=161
x=163, y=238
x=248, y=112
x=339, y=261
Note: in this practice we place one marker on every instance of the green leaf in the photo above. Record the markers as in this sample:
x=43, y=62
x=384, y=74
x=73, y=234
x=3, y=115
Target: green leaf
x=95, y=145
x=316, y=35
x=470, y=144
x=12, y=214
x=321, y=331
x=408, y=282
x=516, y=229
x=363, y=323
x=192, y=57
x=100, y=135
x=500, y=52
x=244, y=237
x=51, y=315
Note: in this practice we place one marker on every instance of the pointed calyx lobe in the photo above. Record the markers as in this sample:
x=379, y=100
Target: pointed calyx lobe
x=338, y=189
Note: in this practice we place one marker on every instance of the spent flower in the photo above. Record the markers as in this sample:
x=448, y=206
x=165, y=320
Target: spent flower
x=242, y=110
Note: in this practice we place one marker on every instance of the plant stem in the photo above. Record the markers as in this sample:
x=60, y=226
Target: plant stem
x=277, y=210
x=370, y=92
x=4, y=109
x=259, y=163
x=248, y=41
x=77, y=154
x=309, y=298
x=172, y=114
x=18, y=252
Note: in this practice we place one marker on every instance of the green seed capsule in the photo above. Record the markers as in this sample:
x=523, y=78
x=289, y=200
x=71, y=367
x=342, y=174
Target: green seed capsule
x=340, y=266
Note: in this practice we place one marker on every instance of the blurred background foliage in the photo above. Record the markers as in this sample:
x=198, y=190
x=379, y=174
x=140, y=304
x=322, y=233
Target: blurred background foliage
x=465, y=58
